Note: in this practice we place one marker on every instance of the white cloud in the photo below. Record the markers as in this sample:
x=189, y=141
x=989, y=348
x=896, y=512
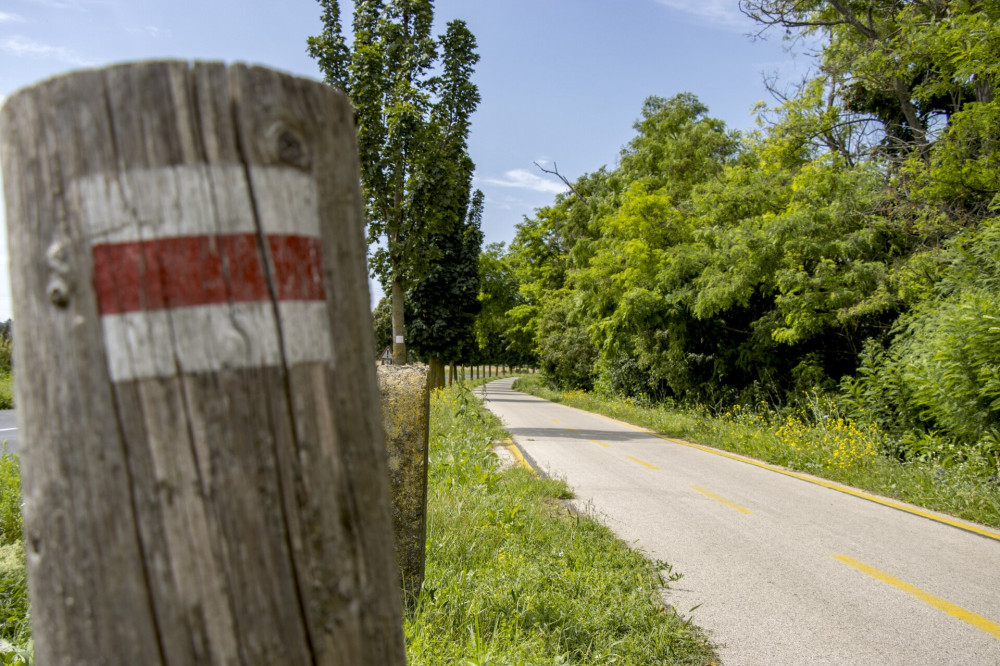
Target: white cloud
x=524, y=179
x=56, y=4
x=11, y=18
x=22, y=46
x=721, y=13
x=148, y=31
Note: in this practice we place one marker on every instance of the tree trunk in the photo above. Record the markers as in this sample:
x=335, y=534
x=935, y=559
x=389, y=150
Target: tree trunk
x=206, y=481
x=398, y=323
x=436, y=379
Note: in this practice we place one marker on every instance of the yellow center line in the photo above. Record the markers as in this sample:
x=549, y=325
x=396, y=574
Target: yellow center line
x=555, y=421
x=642, y=462
x=975, y=529
x=977, y=621
x=607, y=446
x=722, y=500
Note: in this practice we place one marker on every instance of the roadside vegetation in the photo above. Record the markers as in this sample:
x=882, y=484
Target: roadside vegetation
x=7, y=365
x=822, y=291
x=15, y=627
x=15, y=630
x=814, y=437
x=513, y=577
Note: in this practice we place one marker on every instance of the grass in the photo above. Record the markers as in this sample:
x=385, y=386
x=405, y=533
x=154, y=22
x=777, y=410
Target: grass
x=818, y=442
x=15, y=636
x=514, y=578
x=15, y=632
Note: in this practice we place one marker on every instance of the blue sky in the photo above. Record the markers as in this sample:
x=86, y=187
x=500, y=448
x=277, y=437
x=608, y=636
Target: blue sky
x=561, y=81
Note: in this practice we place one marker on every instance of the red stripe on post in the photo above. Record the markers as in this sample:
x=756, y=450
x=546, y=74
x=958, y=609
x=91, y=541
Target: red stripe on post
x=188, y=271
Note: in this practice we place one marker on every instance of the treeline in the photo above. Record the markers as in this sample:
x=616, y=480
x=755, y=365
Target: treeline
x=849, y=247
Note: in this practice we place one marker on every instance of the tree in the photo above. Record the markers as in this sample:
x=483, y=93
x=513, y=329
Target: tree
x=497, y=337
x=443, y=306
x=382, y=321
x=413, y=131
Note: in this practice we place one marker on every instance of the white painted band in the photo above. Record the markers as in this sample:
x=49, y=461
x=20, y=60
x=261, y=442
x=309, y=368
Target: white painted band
x=210, y=338
x=195, y=200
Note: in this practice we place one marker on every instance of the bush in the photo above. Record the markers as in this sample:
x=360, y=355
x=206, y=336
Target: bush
x=10, y=499
x=14, y=595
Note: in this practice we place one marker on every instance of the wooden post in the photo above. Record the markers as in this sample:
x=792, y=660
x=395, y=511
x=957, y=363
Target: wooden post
x=206, y=481
x=405, y=403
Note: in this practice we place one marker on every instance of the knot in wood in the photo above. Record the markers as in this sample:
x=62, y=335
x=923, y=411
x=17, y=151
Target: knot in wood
x=288, y=145
x=60, y=285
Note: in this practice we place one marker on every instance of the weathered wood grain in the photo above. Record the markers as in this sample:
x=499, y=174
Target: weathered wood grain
x=204, y=472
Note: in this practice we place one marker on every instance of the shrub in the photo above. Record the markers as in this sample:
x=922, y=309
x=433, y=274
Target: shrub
x=10, y=499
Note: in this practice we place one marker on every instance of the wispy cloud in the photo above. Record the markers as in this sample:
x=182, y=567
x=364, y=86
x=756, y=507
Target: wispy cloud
x=24, y=47
x=60, y=4
x=720, y=13
x=11, y=18
x=524, y=179
x=147, y=31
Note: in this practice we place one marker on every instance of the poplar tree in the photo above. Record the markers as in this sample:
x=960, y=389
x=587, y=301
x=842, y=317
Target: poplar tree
x=413, y=127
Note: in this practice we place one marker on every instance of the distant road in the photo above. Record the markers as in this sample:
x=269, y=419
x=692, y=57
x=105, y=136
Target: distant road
x=779, y=570
x=8, y=428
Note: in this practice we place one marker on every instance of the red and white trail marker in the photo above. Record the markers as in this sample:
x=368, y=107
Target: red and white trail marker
x=207, y=480
x=174, y=301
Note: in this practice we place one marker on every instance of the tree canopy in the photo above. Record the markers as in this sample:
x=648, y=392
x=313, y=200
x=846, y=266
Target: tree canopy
x=847, y=246
x=414, y=99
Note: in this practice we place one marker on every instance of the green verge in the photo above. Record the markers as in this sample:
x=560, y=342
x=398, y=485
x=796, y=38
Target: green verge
x=830, y=447
x=513, y=577
x=15, y=632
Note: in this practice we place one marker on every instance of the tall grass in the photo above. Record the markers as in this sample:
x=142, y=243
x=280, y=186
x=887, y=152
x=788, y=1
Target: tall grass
x=514, y=578
x=15, y=631
x=815, y=439
x=6, y=373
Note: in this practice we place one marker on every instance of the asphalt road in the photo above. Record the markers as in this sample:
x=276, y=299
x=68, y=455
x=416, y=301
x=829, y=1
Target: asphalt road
x=8, y=429
x=777, y=569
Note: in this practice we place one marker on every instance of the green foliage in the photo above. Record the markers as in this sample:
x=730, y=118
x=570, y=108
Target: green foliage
x=848, y=247
x=10, y=498
x=497, y=336
x=566, y=352
x=937, y=385
x=514, y=578
x=6, y=389
x=16, y=632
x=7, y=365
x=382, y=324
x=414, y=100
x=442, y=307
x=15, y=636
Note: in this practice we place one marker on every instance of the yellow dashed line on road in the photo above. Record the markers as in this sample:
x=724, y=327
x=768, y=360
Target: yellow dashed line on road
x=977, y=621
x=607, y=446
x=975, y=529
x=721, y=500
x=642, y=462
